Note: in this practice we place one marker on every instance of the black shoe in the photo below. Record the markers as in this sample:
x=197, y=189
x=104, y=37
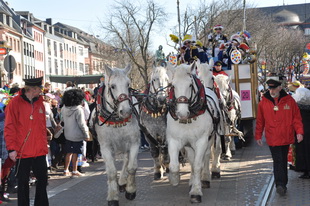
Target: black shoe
x=281, y=190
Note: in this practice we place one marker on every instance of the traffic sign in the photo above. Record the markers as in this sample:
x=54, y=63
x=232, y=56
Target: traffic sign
x=3, y=51
x=9, y=63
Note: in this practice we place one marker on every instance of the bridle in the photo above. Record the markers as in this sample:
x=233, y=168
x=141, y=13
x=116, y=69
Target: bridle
x=105, y=115
x=196, y=102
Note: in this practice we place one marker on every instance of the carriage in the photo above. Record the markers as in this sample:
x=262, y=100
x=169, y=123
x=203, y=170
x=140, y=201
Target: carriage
x=244, y=80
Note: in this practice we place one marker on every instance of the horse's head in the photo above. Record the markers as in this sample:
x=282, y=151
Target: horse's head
x=184, y=87
x=158, y=84
x=117, y=90
x=204, y=72
x=222, y=82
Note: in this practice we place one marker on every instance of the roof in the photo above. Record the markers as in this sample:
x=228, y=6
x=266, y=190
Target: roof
x=300, y=10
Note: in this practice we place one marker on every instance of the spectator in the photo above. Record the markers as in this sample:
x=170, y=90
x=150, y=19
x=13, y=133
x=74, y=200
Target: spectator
x=302, y=149
x=26, y=142
x=279, y=115
x=75, y=128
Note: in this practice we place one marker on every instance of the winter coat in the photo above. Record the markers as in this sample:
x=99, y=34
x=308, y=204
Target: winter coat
x=25, y=126
x=75, y=126
x=280, y=126
x=220, y=72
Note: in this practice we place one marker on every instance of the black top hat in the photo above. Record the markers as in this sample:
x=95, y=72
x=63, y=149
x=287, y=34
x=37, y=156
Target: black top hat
x=273, y=83
x=34, y=82
x=218, y=63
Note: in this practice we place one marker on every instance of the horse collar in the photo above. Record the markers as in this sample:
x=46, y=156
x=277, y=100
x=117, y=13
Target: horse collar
x=115, y=123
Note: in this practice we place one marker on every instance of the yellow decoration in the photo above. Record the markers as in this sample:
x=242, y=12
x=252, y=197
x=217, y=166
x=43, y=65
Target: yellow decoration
x=174, y=38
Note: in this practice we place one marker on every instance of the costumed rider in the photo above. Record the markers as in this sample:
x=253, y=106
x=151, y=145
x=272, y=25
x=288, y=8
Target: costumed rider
x=231, y=54
x=189, y=51
x=202, y=54
x=215, y=39
x=217, y=69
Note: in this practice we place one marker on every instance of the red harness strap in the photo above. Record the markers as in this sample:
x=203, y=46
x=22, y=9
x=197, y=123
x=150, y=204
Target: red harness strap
x=121, y=123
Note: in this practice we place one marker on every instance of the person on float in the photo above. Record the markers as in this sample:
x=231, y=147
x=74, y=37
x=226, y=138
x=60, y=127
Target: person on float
x=216, y=38
x=279, y=116
x=217, y=69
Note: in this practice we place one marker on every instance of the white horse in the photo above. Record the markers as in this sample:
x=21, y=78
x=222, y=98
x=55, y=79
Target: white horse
x=213, y=100
x=232, y=109
x=118, y=133
x=153, y=118
x=189, y=125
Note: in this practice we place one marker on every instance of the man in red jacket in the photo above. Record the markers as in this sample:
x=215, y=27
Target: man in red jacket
x=217, y=69
x=26, y=140
x=279, y=115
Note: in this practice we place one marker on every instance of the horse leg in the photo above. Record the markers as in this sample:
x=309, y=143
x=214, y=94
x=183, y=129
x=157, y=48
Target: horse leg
x=200, y=152
x=131, y=170
x=216, y=164
x=205, y=172
x=190, y=153
x=122, y=181
x=173, y=150
x=155, y=154
x=112, y=176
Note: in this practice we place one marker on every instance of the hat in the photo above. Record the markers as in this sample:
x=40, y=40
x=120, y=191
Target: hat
x=187, y=37
x=273, y=83
x=218, y=63
x=217, y=27
x=199, y=43
x=34, y=82
x=294, y=85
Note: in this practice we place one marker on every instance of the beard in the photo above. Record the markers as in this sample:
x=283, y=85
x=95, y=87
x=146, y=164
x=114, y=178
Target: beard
x=275, y=95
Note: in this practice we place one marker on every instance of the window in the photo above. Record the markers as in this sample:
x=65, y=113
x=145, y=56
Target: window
x=50, y=65
x=81, y=67
x=49, y=47
x=61, y=50
x=56, y=66
x=55, y=49
x=307, y=31
x=81, y=51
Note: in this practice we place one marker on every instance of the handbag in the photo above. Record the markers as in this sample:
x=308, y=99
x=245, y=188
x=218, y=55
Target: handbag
x=59, y=135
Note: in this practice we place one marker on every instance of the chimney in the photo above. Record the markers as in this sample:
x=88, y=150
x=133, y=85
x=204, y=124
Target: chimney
x=49, y=21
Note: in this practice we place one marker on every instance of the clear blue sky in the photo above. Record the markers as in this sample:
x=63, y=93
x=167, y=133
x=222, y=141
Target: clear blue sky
x=86, y=14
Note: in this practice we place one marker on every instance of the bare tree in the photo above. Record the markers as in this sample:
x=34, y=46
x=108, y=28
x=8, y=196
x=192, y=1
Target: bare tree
x=130, y=26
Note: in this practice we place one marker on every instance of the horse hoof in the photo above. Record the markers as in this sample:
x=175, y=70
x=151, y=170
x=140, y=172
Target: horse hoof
x=157, y=176
x=122, y=188
x=130, y=196
x=113, y=203
x=226, y=158
x=195, y=198
x=216, y=175
x=205, y=184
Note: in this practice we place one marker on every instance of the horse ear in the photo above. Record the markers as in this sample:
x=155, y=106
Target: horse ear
x=170, y=70
x=127, y=69
x=211, y=63
x=108, y=71
x=193, y=68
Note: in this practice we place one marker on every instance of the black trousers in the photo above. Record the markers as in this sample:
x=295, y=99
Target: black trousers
x=279, y=156
x=39, y=168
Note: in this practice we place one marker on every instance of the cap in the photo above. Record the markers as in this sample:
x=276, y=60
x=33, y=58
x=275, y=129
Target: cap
x=218, y=63
x=34, y=82
x=273, y=83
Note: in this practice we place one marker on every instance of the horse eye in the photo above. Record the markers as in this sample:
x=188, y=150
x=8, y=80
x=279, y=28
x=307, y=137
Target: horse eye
x=113, y=86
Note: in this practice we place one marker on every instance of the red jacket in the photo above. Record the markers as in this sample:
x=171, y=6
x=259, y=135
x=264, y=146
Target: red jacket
x=220, y=72
x=19, y=127
x=280, y=126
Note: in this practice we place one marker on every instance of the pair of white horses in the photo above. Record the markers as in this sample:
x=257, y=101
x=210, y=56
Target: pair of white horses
x=195, y=122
